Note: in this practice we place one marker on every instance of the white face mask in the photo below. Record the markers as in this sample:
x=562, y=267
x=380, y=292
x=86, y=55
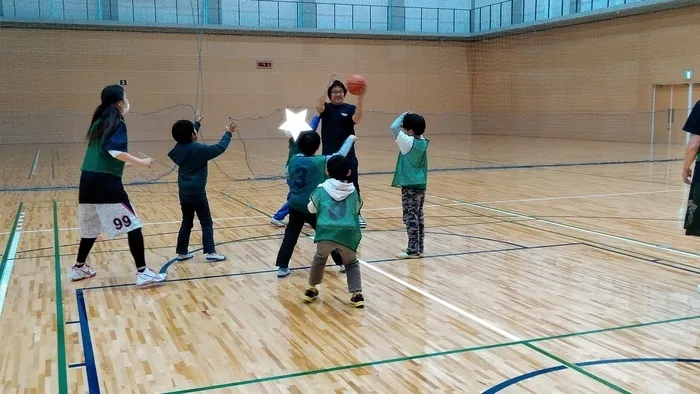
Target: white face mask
x=126, y=107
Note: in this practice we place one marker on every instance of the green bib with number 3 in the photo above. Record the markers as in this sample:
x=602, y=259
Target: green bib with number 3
x=305, y=174
x=337, y=221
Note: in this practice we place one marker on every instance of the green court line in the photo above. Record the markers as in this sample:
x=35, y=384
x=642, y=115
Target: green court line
x=576, y=368
x=10, y=238
x=602, y=330
x=53, y=167
x=60, y=323
x=527, y=342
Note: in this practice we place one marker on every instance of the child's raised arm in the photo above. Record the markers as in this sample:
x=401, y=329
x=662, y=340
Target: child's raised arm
x=213, y=151
x=403, y=140
x=198, y=120
x=345, y=149
x=395, y=127
x=314, y=122
x=347, y=145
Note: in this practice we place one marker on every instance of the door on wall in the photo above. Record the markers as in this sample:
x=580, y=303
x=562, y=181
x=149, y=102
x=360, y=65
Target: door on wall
x=671, y=105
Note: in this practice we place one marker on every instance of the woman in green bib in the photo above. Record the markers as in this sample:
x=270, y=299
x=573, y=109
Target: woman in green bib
x=103, y=204
x=411, y=176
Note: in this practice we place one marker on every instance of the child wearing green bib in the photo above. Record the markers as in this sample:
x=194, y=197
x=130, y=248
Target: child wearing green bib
x=411, y=175
x=306, y=172
x=337, y=205
x=278, y=217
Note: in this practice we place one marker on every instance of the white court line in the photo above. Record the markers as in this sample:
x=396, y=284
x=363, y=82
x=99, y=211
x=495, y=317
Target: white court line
x=444, y=303
x=5, y=283
x=573, y=197
x=398, y=207
x=145, y=224
x=395, y=208
x=528, y=199
x=581, y=229
x=36, y=163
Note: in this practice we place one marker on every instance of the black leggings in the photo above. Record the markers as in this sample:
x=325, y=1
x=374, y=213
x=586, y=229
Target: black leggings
x=136, y=246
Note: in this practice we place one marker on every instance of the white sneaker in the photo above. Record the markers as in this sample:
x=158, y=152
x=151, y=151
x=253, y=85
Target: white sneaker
x=276, y=222
x=215, y=257
x=79, y=273
x=147, y=277
x=183, y=257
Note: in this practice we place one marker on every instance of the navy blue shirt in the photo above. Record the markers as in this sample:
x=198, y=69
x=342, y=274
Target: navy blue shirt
x=692, y=125
x=118, y=139
x=192, y=159
x=337, y=126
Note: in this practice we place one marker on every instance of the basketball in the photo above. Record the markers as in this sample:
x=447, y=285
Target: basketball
x=356, y=84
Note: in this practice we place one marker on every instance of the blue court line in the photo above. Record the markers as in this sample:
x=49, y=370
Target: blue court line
x=275, y=236
x=170, y=262
x=87, y=346
x=529, y=375
x=78, y=365
x=386, y=260
x=88, y=352
x=277, y=177
x=90, y=367
x=309, y=267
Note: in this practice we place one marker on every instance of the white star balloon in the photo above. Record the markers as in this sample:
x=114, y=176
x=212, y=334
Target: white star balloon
x=295, y=123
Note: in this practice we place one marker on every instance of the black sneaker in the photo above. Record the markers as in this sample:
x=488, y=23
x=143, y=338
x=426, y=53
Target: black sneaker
x=357, y=300
x=310, y=295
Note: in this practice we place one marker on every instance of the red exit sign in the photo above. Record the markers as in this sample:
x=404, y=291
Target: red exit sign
x=264, y=64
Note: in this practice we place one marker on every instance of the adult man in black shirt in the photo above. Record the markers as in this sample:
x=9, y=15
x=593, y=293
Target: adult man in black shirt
x=338, y=120
x=690, y=176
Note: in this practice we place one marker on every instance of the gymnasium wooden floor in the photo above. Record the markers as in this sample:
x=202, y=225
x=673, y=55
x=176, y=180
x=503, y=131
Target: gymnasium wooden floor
x=543, y=273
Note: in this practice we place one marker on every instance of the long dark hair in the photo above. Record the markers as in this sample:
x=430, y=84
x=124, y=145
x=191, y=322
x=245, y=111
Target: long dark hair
x=107, y=116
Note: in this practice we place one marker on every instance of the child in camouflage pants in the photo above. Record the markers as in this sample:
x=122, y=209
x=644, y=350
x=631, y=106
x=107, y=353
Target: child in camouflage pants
x=412, y=176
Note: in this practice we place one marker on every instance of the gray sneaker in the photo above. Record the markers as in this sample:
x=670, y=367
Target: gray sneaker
x=215, y=257
x=183, y=257
x=363, y=224
x=282, y=272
